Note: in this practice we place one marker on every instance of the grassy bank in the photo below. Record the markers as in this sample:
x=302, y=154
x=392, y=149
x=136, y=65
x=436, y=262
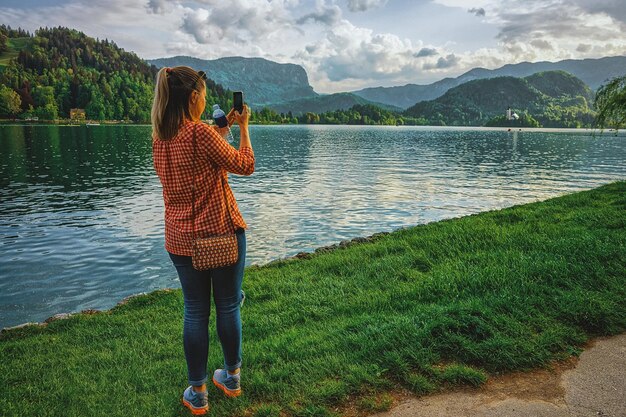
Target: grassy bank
x=423, y=308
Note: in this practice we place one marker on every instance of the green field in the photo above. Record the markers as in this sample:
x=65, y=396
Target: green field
x=423, y=308
x=15, y=46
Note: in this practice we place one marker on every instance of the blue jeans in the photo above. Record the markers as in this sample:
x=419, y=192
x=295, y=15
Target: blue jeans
x=196, y=285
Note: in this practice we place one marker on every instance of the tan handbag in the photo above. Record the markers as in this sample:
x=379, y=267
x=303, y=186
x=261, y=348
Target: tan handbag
x=214, y=251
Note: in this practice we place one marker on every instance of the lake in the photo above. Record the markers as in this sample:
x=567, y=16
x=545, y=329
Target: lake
x=81, y=211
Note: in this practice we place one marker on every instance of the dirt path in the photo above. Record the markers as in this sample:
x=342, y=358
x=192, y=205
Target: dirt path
x=592, y=385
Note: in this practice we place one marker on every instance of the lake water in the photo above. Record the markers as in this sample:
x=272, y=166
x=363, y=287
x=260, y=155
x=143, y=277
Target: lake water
x=81, y=212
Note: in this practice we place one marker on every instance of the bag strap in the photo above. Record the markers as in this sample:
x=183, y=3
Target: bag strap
x=193, y=192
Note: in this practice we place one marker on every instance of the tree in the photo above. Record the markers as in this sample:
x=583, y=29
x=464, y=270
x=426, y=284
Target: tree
x=43, y=96
x=611, y=104
x=3, y=42
x=95, y=109
x=10, y=102
x=47, y=112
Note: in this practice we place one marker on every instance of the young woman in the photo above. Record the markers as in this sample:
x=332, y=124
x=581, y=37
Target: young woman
x=179, y=101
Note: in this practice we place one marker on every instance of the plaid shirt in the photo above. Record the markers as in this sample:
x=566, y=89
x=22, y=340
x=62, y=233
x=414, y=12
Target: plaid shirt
x=215, y=157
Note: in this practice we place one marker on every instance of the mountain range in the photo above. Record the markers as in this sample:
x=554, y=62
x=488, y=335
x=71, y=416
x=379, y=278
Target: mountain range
x=285, y=87
x=593, y=72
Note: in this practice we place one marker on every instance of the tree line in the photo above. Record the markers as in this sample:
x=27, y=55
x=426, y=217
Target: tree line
x=359, y=114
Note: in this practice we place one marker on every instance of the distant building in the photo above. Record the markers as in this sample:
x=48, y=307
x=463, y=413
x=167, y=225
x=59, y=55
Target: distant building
x=77, y=114
x=510, y=115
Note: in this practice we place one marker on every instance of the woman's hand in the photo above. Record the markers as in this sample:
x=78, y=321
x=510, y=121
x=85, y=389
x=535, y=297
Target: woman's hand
x=241, y=118
x=223, y=131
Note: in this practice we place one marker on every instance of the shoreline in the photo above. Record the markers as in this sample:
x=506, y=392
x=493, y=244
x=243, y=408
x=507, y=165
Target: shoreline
x=300, y=255
x=513, y=131
x=590, y=130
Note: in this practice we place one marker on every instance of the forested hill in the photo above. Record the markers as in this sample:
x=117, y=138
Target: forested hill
x=551, y=99
x=58, y=69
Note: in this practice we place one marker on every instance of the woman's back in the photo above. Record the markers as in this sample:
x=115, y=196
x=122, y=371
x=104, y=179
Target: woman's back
x=178, y=170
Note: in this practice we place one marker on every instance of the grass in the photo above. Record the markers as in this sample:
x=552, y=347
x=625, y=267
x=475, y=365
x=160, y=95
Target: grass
x=15, y=46
x=424, y=308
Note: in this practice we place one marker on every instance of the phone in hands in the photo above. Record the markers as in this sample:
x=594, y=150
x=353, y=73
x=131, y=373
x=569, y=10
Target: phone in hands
x=238, y=101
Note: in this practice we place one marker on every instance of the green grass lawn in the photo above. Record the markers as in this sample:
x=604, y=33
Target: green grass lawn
x=423, y=308
x=15, y=46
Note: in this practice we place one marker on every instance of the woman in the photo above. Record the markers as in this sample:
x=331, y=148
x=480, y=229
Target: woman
x=179, y=101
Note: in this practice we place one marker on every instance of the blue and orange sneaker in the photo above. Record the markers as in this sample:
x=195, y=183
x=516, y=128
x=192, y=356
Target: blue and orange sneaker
x=228, y=383
x=196, y=402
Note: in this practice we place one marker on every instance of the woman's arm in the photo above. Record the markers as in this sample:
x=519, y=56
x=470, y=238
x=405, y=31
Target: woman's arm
x=223, y=154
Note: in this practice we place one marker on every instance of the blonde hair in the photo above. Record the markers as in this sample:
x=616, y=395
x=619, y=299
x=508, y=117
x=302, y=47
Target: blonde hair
x=171, y=99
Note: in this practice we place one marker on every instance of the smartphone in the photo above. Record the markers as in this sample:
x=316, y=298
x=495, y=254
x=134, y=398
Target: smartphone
x=238, y=101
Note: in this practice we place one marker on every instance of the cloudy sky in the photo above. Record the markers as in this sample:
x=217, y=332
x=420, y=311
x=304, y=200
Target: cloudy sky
x=346, y=44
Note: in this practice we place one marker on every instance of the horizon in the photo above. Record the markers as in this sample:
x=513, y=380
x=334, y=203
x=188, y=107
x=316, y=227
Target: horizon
x=346, y=45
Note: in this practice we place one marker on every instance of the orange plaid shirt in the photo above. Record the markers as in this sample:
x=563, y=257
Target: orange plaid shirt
x=215, y=157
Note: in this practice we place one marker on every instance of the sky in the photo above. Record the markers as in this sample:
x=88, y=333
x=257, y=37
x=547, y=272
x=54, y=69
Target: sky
x=346, y=45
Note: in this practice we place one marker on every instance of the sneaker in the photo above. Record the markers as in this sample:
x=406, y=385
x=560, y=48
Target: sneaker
x=197, y=402
x=227, y=382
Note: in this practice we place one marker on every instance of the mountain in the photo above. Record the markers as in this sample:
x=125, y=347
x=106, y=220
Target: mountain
x=263, y=82
x=553, y=98
x=325, y=103
x=407, y=95
x=593, y=72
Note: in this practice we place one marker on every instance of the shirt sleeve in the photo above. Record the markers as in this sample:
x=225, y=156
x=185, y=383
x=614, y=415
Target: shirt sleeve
x=223, y=154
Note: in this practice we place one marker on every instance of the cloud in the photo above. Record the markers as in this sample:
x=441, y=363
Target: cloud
x=424, y=52
x=550, y=30
x=616, y=9
x=351, y=55
x=237, y=21
x=325, y=14
x=477, y=11
x=158, y=6
x=551, y=22
x=449, y=61
x=541, y=44
x=363, y=5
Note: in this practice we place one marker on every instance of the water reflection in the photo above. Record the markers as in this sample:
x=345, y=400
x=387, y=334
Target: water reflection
x=81, y=210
